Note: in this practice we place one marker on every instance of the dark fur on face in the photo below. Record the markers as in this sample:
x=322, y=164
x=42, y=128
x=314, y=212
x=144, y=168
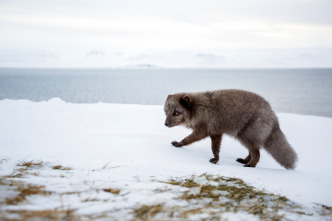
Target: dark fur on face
x=176, y=114
x=241, y=114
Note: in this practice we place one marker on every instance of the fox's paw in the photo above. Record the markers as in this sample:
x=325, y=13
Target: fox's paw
x=240, y=160
x=176, y=144
x=214, y=160
x=247, y=165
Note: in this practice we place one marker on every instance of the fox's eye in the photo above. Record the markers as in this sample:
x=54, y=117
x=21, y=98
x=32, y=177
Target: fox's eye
x=176, y=113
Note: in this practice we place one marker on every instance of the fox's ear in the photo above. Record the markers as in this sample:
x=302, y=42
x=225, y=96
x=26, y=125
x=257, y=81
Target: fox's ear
x=185, y=101
x=170, y=95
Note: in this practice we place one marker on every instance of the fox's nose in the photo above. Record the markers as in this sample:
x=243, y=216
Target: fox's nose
x=166, y=124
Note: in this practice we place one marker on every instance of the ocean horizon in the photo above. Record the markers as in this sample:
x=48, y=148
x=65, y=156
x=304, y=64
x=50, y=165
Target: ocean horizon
x=300, y=91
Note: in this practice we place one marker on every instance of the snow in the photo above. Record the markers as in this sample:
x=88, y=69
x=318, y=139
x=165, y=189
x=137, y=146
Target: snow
x=127, y=147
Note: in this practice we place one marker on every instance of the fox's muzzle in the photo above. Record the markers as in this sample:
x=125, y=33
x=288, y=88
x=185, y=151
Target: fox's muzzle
x=167, y=124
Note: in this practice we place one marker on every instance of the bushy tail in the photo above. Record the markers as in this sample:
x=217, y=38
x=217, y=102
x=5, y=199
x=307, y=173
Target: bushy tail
x=280, y=149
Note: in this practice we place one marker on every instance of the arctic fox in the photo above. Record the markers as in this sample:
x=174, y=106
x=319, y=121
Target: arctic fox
x=241, y=114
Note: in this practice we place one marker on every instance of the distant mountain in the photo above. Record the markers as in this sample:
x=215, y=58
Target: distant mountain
x=34, y=58
x=211, y=57
x=258, y=58
x=95, y=53
x=142, y=66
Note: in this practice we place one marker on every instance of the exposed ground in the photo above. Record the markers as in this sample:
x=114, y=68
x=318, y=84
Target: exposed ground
x=193, y=197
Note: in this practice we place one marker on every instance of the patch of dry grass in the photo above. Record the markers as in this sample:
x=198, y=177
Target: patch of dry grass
x=185, y=213
x=145, y=212
x=326, y=210
x=25, y=190
x=40, y=215
x=112, y=190
x=232, y=195
x=186, y=183
x=30, y=163
x=24, y=168
x=90, y=200
x=60, y=167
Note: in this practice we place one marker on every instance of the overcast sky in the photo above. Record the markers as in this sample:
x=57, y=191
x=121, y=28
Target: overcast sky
x=140, y=26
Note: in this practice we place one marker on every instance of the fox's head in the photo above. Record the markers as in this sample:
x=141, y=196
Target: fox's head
x=178, y=109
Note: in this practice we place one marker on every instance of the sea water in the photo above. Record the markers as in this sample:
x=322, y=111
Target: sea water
x=301, y=91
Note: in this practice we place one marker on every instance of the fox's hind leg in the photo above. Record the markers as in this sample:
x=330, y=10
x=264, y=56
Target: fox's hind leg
x=253, y=136
x=255, y=155
x=215, y=145
x=245, y=160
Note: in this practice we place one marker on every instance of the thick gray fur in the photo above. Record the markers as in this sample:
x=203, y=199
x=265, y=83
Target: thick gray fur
x=240, y=114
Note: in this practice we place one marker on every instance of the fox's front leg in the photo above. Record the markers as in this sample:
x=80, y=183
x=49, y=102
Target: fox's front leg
x=193, y=137
x=215, y=145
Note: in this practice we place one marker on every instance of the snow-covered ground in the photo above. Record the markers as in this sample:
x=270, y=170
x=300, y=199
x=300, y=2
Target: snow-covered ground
x=114, y=158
